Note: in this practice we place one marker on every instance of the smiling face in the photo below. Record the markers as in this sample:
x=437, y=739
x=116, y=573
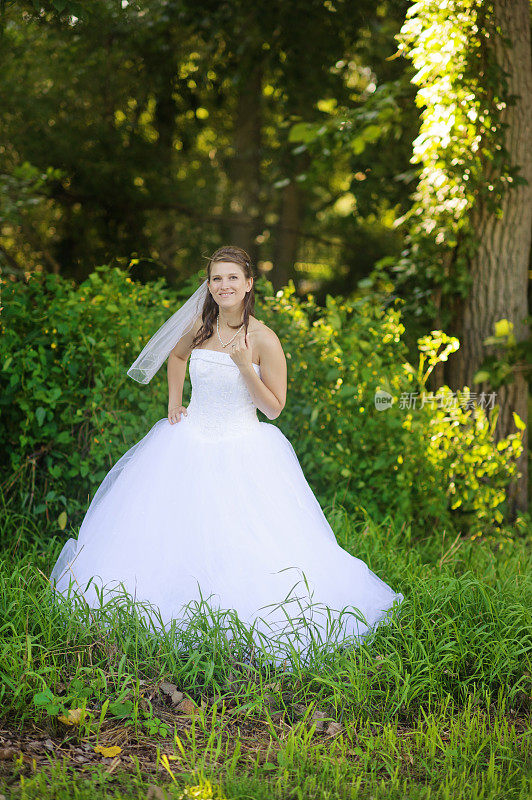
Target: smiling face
x=228, y=284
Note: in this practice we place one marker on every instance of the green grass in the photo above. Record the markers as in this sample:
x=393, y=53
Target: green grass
x=436, y=704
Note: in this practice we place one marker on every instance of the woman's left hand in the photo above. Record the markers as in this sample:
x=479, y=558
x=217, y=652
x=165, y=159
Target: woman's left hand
x=241, y=353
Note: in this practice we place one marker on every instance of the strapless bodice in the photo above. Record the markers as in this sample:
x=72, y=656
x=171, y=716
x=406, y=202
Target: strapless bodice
x=220, y=404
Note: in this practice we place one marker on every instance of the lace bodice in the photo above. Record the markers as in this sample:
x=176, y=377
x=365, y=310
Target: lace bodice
x=220, y=405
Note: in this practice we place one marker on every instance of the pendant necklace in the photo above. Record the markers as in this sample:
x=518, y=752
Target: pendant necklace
x=218, y=332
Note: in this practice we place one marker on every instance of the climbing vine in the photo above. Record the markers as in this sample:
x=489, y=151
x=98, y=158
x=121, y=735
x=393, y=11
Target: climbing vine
x=460, y=147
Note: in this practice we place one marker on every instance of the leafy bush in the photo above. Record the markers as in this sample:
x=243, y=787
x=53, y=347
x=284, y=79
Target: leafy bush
x=433, y=467
x=69, y=410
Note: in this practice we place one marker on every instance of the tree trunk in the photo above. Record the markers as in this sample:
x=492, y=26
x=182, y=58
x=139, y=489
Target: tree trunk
x=244, y=168
x=500, y=267
x=287, y=237
x=165, y=113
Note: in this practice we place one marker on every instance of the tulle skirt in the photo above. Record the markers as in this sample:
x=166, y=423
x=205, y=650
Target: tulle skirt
x=183, y=519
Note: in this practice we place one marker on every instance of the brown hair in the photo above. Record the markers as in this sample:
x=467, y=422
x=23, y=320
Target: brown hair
x=210, y=307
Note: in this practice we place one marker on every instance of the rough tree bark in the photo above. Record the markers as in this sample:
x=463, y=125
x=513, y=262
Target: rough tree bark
x=500, y=267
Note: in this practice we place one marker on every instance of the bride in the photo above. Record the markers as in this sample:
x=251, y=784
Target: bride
x=211, y=505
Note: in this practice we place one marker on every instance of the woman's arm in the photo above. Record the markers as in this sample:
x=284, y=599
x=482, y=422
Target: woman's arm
x=176, y=371
x=268, y=391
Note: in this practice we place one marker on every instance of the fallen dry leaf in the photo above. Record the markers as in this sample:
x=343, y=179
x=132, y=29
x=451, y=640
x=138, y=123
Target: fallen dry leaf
x=172, y=691
x=108, y=752
x=275, y=687
x=318, y=718
x=334, y=727
x=72, y=717
x=168, y=688
x=186, y=706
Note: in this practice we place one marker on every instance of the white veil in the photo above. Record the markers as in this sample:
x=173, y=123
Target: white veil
x=164, y=340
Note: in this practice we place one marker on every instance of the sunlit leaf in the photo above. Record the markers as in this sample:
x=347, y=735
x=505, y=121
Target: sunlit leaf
x=73, y=717
x=108, y=752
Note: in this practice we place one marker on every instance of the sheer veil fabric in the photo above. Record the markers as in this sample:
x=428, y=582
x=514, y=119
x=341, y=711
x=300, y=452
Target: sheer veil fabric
x=158, y=348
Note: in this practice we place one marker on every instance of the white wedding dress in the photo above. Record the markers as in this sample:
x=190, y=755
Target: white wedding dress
x=216, y=508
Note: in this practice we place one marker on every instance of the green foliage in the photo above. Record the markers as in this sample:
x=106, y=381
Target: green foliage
x=80, y=689
x=460, y=148
x=353, y=128
x=464, y=628
x=444, y=690
x=25, y=194
x=53, y=10
x=437, y=466
x=499, y=369
x=69, y=410
x=71, y=706
x=23, y=189
x=170, y=100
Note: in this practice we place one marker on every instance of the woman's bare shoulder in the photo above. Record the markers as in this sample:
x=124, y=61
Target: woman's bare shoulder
x=267, y=340
x=261, y=329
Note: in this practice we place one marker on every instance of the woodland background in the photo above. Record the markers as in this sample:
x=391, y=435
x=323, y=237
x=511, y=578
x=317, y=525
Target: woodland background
x=374, y=159
x=352, y=150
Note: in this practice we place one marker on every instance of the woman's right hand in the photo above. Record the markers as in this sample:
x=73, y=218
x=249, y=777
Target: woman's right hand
x=174, y=413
